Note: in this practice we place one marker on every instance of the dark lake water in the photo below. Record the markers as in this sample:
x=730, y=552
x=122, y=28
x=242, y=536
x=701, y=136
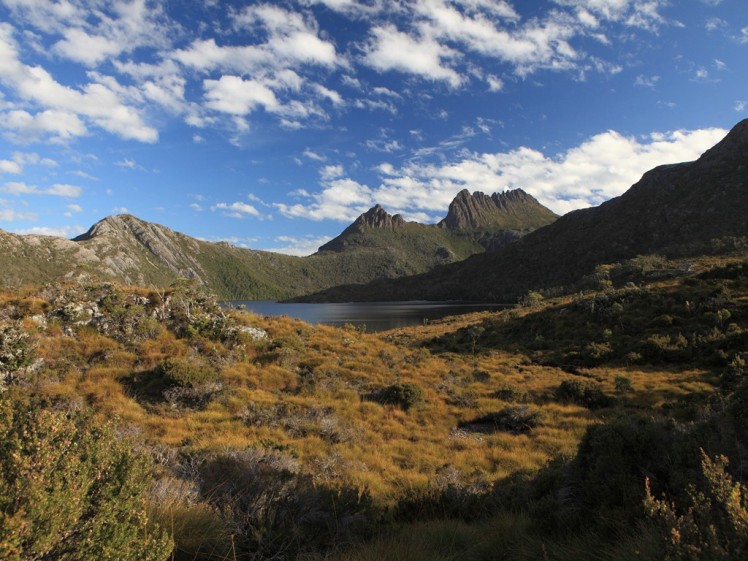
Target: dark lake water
x=374, y=316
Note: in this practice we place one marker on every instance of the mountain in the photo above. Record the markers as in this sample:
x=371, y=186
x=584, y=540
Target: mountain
x=682, y=209
x=129, y=250
x=511, y=210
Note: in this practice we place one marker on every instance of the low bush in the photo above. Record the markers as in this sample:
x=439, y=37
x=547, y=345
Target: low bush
x=275, y=512
x=403, y=395
x=69, y=490
x=585, y=393
x=714, y=526
x=186, y=372
x=515, y=419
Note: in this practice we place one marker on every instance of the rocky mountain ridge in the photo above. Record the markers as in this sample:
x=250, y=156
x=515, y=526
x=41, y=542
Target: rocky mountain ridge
x=129, y=250
x=490, y=221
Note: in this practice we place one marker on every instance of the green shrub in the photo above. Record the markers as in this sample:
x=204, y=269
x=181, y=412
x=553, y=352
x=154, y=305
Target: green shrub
x=186, y=372
x=586, y=393
x=403, y=395
x=70, y=491
x=613, y=460
x=715, y=524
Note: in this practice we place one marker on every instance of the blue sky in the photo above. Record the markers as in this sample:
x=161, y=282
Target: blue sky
x=274, y=124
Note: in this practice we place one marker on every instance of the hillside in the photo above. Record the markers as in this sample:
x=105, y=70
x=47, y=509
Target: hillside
x=128, y=250
x=692, y=208
x=574, y=428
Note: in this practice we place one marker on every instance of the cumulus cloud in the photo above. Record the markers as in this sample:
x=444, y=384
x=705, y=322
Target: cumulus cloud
x=602, y=167
x=236, y=210
x=299, y=246
x=342, y=199
x=391, y=49
x=9, y=166
x=102, y=102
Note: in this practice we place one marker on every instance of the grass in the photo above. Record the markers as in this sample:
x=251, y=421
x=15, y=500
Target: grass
x=303, y=394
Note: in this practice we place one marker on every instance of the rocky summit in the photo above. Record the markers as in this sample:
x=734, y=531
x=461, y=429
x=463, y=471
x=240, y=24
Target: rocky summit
x=510, y=210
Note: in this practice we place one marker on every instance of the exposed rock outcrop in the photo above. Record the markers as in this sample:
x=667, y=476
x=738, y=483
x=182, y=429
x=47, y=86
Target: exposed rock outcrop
x=510, y=210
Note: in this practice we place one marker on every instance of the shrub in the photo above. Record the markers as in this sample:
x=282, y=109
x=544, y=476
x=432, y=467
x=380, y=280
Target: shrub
x=585, y=393
x=714, y=526
x=623, y=384
x=276, y=513
x=515, y=419
x=403, y=395
x=186, y=372
x=71, y=491
x=16, y=353
x=509, y=392
x=613, y=460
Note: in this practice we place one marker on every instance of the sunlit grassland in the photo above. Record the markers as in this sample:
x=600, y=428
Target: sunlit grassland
x=306, y=390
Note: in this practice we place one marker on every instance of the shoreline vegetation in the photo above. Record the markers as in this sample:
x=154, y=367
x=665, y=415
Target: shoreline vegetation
x=154, y=424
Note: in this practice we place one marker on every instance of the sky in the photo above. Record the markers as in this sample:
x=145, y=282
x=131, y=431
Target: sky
x=273, y=125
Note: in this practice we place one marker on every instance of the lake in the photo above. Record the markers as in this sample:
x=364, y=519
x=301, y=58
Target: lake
x=374, y=316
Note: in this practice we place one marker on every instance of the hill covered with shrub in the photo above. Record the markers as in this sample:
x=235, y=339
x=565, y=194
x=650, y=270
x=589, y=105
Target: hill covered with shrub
x=593, y=426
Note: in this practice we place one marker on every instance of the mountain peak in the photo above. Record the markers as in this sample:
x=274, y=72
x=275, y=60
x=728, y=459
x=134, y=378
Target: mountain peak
x=377, y=217
x=510, y=210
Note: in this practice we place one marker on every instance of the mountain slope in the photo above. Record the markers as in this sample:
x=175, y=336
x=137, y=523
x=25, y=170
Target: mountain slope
x=129, y=250
x=683, y=208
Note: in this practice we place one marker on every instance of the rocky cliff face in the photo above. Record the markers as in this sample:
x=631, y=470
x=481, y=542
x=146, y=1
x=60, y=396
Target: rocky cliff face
x=511, y=210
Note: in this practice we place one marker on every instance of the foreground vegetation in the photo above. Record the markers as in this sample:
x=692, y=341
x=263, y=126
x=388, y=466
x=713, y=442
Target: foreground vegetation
x=607, y=425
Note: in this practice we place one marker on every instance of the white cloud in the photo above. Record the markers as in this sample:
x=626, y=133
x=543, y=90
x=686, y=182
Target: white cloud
x=740, y=105
x=73, y=209
x=58, y=189
x=234, y=95
x=312, y=155
x=331, y=172
x=341, y=199
x=299, y=246
x=743, y=38
x=22, y=127
x=646, y=81
x=236, y=210
x=11, y=215
x=602, y=167
x=8, y=166
x=714, y=24
x=63, y=190
x=61, y=232
x=495, y=84
x=103, y=102
x=391, y=49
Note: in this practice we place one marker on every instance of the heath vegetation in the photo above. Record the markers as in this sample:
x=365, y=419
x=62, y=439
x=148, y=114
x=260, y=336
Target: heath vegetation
x=157, y=424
